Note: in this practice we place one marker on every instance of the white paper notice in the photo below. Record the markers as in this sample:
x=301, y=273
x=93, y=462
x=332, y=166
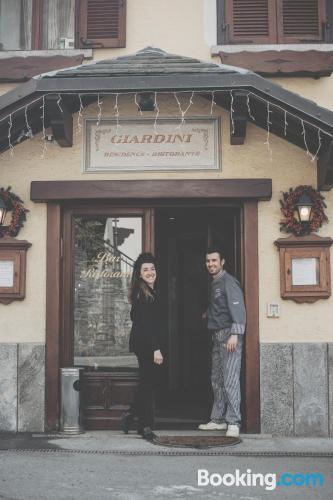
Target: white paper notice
x=6, y=273
x=304, y=271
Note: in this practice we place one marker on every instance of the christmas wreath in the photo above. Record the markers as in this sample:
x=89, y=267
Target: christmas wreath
x=290, y=224
x=15, y=205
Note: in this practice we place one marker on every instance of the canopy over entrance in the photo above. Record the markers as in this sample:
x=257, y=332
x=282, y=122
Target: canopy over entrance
x=50, y=99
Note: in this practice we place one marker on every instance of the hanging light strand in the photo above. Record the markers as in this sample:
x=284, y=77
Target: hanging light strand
x=43, y=129
x=249, y=108
x=267, y=142
x=11, y=147
x=232, y=113
x=29, y=130
x=99, y=104
x=183, y=111
x=157, y=113
x=212, y=102
x=80, y=116
x=137, y=104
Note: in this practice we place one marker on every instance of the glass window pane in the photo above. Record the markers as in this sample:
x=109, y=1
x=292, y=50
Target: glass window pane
x=15, y=24
x=58, y=24
x=105, y=251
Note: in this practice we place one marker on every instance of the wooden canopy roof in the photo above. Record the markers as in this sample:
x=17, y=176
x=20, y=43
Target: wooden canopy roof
x=251, y=97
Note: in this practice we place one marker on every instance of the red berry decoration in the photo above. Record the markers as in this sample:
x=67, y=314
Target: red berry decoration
x=289, y=223
x=15, y=205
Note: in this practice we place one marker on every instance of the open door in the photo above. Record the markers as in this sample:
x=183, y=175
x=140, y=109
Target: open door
x=182, y=237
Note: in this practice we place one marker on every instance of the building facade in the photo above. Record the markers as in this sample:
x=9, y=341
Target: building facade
x=121, y=132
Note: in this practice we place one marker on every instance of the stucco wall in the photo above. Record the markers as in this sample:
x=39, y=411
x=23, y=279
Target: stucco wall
x=288, y=166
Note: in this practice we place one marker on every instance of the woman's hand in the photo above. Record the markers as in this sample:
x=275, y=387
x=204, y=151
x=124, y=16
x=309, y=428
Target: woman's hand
x=158, y=358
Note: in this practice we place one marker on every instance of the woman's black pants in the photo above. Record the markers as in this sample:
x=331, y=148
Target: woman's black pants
x=143, y=405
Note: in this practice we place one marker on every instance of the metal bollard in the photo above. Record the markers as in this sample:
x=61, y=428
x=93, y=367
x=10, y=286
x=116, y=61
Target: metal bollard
x=70, y=415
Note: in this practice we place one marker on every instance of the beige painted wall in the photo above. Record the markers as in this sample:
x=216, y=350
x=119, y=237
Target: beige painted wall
x=287, y=166
x=182, y=28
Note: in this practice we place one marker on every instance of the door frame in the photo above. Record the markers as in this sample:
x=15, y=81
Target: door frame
x=242, y=191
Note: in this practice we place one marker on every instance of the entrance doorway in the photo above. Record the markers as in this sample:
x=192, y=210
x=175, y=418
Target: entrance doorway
x=182, y=236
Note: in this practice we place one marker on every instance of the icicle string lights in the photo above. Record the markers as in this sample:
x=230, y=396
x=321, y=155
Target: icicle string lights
x=269, y=123
x=137, y=104
x=80, y=116
x=313, y=157
x=116, y=109
x=285, y=123
x=232, y=113
x=212, y=102
x=248, y=107
x=304, y=138
x=10, y=116
x=183, y=111
x=29, y=130
x=43, y=128
x=58, y=102
x=11, y=147
x=99, y=104
x=157, y=113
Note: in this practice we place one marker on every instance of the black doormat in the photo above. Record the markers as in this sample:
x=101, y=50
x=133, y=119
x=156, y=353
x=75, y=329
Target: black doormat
x=199, y=442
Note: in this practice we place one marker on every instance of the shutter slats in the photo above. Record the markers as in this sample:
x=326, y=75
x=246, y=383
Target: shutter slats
x=250, y=18
x=274, y=21
x=102, y=19
x=300, y=17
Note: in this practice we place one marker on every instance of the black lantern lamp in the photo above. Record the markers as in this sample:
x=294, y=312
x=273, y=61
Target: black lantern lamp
x=3, y=212
x=303, y=208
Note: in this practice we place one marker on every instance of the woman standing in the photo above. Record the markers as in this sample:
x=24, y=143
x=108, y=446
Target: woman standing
x=145, y=342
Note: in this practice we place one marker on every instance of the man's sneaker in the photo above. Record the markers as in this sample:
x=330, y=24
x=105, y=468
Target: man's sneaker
x=212, y=426
x=233, y=431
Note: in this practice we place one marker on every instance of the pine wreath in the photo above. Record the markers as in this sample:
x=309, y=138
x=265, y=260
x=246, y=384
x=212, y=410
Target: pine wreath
x=15, y=205
x=291, y=225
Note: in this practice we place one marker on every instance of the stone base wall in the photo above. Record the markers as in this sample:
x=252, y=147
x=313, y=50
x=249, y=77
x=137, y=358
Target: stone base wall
x=296, y=388
x=22, y=382
x=296, y=382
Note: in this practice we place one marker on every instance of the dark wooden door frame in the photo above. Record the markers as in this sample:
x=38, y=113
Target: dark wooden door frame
x=246, y=195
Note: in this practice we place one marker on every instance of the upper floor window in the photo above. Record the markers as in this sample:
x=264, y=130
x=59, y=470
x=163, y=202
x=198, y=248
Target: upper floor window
x=61, y=24
x=272, y=21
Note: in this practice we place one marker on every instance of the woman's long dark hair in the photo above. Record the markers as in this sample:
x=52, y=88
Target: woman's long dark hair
x=138, y=286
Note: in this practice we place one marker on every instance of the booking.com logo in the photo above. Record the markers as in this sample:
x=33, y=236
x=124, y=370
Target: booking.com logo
x=268, y=481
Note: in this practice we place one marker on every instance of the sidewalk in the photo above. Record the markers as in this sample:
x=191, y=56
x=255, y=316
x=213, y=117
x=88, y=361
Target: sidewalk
x=115, y=442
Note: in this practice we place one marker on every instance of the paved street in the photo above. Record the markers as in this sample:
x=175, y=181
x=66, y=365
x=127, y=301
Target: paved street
x=100, y=466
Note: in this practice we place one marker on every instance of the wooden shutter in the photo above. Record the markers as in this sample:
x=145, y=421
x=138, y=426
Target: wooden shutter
x=251, y=21
x=301, y=21
x=102, y=23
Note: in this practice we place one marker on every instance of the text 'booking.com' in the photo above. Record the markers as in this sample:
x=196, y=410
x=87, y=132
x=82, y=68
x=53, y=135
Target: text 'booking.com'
x=269, y=481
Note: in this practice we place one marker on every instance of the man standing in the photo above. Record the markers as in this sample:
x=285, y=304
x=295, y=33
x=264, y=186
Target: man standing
x=226, y=319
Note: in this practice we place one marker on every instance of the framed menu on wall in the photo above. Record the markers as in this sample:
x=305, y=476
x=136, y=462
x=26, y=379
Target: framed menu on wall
x=12, y=269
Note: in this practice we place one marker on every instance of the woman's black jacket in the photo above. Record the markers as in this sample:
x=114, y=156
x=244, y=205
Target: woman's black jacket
x=147, y=329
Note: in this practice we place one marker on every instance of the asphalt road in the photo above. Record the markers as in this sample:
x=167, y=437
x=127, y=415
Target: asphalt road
x=38, y=475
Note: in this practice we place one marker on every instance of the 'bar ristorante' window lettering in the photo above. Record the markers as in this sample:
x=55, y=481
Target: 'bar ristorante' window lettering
x=105, y=251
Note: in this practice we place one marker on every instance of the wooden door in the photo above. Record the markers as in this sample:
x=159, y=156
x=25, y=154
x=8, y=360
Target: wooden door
x=100, y=247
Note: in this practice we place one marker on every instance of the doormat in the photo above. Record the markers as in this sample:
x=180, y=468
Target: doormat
x=199, y=442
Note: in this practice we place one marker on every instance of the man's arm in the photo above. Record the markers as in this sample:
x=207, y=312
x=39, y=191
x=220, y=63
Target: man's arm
x=237, y=312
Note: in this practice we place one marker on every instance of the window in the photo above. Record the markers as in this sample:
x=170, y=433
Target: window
x=273, y=21
x=102, y=23
x=62, y=24
x=104, y=254
x=15, y=24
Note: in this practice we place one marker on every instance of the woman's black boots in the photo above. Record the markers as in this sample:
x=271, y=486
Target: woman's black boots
x=126, y=421
x=147, y=433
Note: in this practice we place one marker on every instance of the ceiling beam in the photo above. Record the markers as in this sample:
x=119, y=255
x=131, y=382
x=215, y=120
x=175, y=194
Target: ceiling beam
x=325, y=168
x=238, y=117
x=60, y=120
